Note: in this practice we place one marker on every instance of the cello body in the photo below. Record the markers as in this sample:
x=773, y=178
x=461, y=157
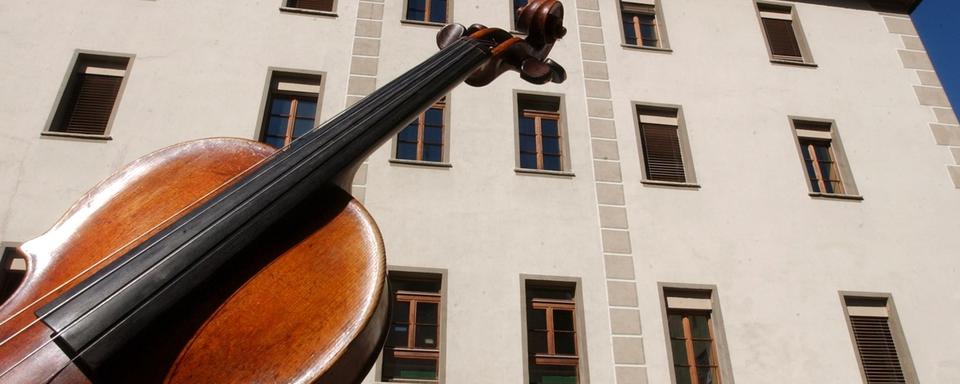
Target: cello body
x=307, y=296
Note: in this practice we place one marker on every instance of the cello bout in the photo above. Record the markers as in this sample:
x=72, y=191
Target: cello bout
x=304, y=303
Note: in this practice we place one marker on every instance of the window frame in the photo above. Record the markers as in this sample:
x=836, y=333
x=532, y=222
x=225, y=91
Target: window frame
x=416, y=273
x=513, y=18
x=663, y=42
x=896, y=331
x=285, y=7
x=426, y=21
x=682, y=290
x=580, y=344
x=69, y=83
x=15, y=265
x=802, y=43
x=842, y=164
x=566, y=165
x=445, y=144
x=686, y=152
x=274, y=76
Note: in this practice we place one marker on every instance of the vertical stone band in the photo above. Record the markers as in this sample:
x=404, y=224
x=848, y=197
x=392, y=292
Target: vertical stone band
x=364, y=61
x=626, y=332
x=929, y=91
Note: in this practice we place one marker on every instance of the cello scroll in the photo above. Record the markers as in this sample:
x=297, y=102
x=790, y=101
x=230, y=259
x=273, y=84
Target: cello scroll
x=541, y=20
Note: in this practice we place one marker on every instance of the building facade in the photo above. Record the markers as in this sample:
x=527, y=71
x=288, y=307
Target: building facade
x=681, y=210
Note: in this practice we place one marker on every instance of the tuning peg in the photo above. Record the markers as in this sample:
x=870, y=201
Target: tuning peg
x=559, y=74
x=450, y=34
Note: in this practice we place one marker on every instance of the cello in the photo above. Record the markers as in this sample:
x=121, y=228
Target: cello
x=224, y=260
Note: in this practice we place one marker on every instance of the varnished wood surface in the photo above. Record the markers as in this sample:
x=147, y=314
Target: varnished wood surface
x=313, y=300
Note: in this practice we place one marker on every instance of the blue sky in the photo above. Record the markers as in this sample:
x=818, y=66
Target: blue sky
x=938, y=22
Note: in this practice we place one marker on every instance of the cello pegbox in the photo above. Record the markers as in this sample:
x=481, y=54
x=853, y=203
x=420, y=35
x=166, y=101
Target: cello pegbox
x=541, y=20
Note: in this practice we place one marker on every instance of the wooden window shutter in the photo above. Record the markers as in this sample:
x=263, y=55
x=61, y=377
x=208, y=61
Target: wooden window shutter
x=660, y=137
x=90, y=95
x=91, y=109
x=782, y=39
x=878, y=354
x=317, y=5
x=661, y=150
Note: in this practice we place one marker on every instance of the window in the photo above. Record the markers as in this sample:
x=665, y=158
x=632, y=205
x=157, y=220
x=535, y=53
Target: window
x=664, y=145
x=640, y=27
x=291, y=109
x=313, y=5
x=412, y=351
x=879, y=342
x=423, y=138
x=540, y=144
x=784, y=36
x=552, y=344
x=823, y=161
x=428, y=11
x=13, y=268
x=517, y=4
x=90, y=96
x=694, y=336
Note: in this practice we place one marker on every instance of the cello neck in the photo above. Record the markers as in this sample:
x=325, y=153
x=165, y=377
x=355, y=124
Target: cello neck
x=100, y=314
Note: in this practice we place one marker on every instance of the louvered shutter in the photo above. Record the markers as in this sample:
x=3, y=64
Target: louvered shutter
x=878, y=354
x=782, y=39
x=93, y=104
x=317, y=5
x=661, y=152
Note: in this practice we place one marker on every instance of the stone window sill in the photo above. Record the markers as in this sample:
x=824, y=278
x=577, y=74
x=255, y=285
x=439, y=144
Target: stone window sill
x=424, y=23
x=643, y=48
x=308, y=11
x=421, y=163
x=525, y=171
x=835, y=196
x=795, y=63
x=76, y=135
x=670, y=184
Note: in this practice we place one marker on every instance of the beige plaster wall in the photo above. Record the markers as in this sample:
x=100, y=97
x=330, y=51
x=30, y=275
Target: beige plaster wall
x=777, y=256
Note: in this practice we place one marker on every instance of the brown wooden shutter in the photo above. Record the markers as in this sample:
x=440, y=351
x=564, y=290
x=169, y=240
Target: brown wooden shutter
x=661, y=152
x=93, y=105
x=878, y=354
x=782, y=39
x=317, y=5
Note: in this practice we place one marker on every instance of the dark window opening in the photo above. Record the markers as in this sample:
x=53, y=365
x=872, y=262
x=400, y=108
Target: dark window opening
x=431, y=11
x=692, y=337
x=660, y=138
x=640, y=25
x=422, y=139
x=517, y=4
x=291, y=108
x=540, y=141
x=551, y=333
x=873, y=333
x=13, y=268
x=90, y=96
x=819, y=159
x=412, y=350
x=780, y=32
x=314, y=5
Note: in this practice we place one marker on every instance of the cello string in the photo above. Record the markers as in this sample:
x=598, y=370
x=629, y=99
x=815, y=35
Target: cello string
x=415, y=79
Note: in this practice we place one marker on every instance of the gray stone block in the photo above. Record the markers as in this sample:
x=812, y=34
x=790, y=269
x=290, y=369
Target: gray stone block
x=628, y=350
x=615, y=241
x=622, y=293
x=613, y=217
x=610, y=194
x=619, y=267
x=900, y=25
